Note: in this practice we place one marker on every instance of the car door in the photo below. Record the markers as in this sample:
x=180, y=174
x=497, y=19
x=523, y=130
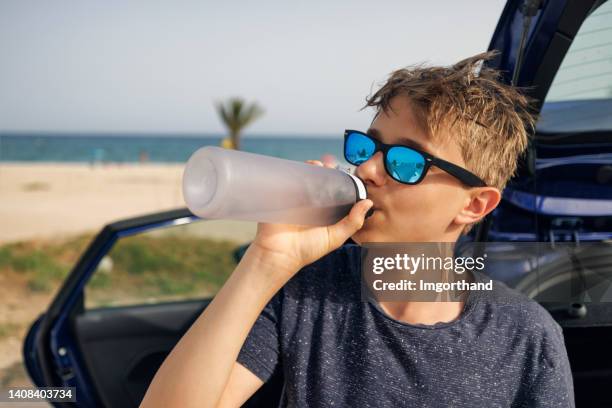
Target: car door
x=563, y=190
x=129, y=299
x=110, y=350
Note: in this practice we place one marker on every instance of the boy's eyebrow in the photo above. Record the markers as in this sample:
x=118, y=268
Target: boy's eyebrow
x=375, y=133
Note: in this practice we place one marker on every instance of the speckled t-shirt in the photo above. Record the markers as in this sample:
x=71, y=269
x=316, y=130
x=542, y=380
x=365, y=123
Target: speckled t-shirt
x=504, y=350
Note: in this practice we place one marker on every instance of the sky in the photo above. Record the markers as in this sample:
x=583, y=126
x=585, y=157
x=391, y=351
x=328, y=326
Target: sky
x=159, y=66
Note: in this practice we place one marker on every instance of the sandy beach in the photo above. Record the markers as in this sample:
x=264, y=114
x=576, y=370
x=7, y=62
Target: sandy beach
x=46, y=200
x=55, y=200
x=43, y=203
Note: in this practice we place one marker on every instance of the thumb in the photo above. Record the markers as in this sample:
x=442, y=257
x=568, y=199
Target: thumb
x=343, y=229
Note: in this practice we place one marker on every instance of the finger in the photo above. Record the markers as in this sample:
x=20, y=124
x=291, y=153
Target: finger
x=315, y=162
x=343, y=229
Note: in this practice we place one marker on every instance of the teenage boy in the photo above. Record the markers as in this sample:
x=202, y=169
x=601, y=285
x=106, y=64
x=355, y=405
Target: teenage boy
x=294, y=304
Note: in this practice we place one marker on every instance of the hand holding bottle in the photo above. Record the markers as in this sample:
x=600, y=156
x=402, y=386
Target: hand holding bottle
x=299, y=245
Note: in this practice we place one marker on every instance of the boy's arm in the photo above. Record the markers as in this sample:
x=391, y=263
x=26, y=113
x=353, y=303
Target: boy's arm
x=197, y=371
x=202, y=370
x=552, y=388
x=241, y=385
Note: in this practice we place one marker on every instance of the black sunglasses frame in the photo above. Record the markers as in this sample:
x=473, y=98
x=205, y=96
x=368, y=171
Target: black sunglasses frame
x=463, y=175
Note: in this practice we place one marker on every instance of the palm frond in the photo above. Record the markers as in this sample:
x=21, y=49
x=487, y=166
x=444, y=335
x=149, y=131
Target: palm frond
x=236, y=114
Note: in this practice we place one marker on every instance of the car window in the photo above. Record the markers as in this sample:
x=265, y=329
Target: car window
x=580, y=97
x=189, y=261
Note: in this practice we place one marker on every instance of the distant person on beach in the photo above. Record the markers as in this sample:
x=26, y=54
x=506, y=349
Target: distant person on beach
x=97, y=157
x=293, y=307
x=143, y=157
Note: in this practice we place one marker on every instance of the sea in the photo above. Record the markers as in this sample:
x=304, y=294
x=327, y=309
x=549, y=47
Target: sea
x=168, y=148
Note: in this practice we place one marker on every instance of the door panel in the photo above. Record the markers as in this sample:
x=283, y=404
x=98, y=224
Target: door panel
x=129, y=299
x=123, y=348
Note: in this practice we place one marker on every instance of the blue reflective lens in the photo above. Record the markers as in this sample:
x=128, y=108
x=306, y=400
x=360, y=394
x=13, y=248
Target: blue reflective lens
x=358, y=148
x=405, y=164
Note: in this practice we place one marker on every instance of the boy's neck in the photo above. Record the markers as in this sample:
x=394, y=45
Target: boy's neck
x=427, y=313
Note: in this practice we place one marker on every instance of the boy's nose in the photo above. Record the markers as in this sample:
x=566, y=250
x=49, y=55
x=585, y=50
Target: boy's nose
x=372, y=171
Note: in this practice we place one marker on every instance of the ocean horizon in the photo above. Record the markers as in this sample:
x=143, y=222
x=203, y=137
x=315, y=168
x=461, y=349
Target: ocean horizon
x=154, y=148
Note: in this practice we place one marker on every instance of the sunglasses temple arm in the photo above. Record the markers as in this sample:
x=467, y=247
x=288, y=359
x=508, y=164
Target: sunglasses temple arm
x=462, y=174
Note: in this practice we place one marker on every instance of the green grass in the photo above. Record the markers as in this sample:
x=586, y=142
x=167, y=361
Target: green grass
x=99, y=281
x=40, y=268
x=143, y=267
x=169, y=265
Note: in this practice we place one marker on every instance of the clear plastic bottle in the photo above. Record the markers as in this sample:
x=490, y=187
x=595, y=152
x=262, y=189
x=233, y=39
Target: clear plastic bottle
x=221, y=183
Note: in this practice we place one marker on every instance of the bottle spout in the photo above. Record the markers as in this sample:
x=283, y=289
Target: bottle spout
x=360, y=187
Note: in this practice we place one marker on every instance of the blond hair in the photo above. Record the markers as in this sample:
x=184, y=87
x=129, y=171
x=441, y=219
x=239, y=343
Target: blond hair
x=490, y=120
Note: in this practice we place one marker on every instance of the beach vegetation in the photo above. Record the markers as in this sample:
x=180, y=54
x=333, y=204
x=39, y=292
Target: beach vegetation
x=236, y=114
x=143, y=267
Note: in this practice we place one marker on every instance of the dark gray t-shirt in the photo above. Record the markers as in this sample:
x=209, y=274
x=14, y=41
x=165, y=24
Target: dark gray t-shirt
x=504, y=350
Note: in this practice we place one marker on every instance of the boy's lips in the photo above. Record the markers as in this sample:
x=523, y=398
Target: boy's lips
x=375, y=205
x=371, y=211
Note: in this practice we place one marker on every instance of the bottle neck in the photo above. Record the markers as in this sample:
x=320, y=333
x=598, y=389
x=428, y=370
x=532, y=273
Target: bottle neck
x=360, y=188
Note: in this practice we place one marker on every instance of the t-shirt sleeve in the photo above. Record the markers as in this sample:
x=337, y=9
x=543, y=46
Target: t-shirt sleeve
x=553, y=384
x=261, y=350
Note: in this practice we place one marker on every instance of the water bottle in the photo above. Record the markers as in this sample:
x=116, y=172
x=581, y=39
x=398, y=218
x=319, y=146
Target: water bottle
x=222, y=183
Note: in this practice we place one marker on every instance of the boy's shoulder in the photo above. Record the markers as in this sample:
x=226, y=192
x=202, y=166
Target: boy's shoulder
x=527, y=317
x=512, y=301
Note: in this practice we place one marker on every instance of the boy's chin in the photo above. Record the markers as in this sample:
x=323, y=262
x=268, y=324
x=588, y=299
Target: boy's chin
x=367, y=234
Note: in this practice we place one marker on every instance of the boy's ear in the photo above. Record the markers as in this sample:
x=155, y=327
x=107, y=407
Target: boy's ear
x=480, y=202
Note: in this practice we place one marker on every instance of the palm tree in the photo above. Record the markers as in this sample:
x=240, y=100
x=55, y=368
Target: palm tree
x=236, y=114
